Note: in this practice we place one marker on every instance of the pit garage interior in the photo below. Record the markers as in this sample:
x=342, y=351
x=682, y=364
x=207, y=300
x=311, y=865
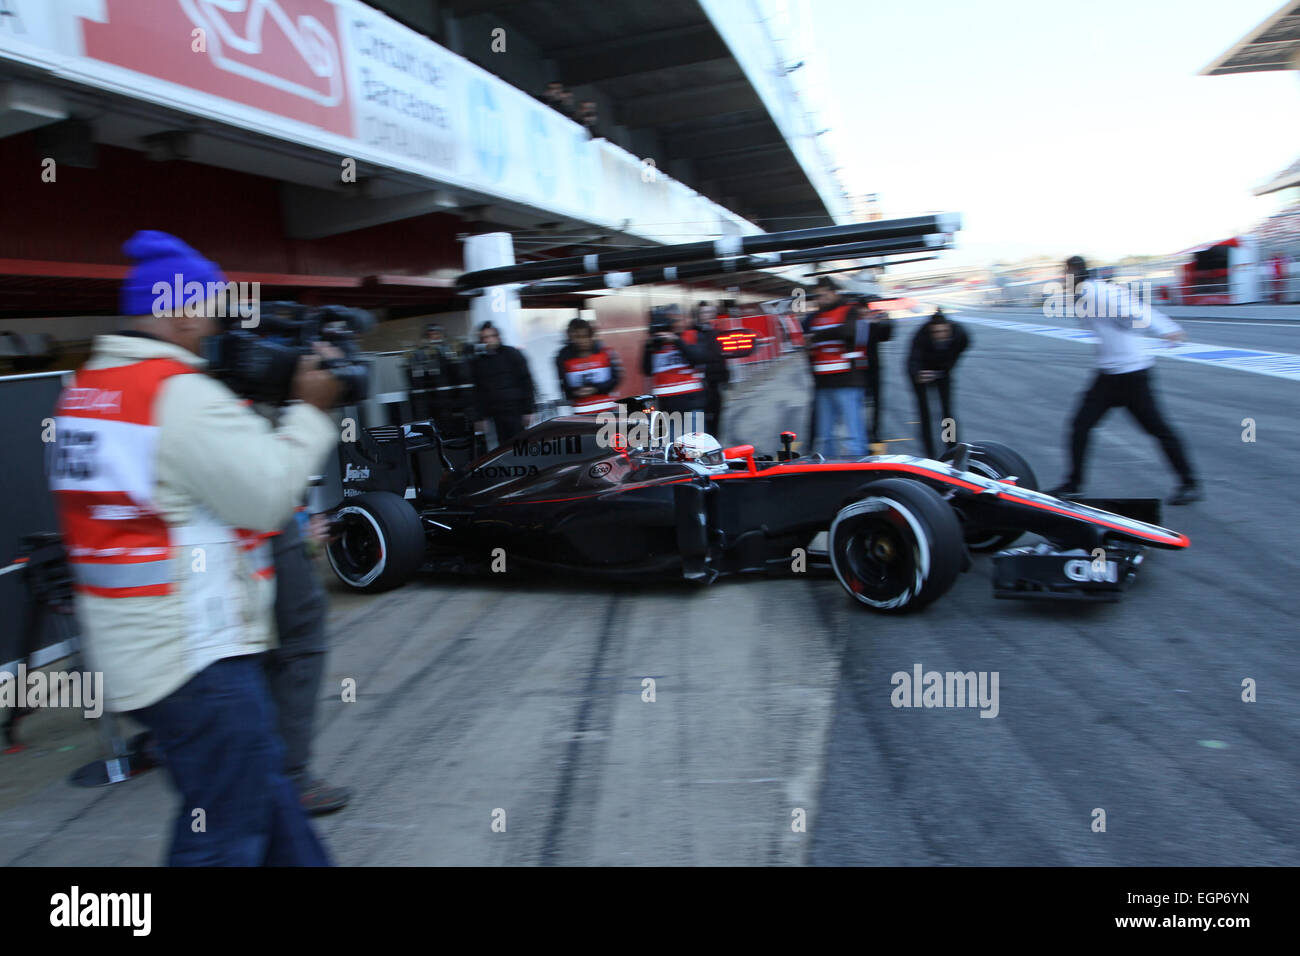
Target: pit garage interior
x=668, y=92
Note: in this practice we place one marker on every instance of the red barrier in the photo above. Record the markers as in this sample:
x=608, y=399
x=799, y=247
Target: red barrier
x=1205, y=286
x=793, y=330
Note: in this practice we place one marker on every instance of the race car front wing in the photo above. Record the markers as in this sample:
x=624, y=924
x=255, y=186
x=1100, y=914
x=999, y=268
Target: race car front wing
x=1042, y=571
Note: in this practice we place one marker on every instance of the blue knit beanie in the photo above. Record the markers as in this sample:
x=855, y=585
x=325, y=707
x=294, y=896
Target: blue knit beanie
x=161, y=257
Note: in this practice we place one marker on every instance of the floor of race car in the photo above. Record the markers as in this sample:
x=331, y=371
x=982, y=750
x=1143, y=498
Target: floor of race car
x=525, y=702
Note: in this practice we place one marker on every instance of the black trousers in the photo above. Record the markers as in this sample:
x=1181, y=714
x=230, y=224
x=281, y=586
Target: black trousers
x=713, y=410
x=873, y=400
x=507, y=425
x=295, y=670
x=1130, y=390
x=942, y=385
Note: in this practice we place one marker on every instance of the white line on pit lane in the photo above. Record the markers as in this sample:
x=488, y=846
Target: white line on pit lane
x=1259, y=361
x=1266, y=325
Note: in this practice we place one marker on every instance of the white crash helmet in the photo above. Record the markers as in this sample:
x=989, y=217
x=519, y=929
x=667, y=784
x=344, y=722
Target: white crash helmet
x=697, y=448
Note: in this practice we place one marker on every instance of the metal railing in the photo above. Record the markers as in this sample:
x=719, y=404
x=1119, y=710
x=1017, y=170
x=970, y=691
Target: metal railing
x=1270, y=290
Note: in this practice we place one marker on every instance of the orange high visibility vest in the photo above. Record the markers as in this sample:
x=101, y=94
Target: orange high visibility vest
x=831, y=358
x=673, y=375
x=590, y=371
x=102, y=474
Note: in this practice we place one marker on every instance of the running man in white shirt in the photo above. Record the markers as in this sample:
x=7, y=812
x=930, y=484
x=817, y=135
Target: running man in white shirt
x=1123, y=378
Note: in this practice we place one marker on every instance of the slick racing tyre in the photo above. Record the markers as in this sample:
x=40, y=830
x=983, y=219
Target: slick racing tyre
x=378, y=542
x=898, y=548
x=995, y=460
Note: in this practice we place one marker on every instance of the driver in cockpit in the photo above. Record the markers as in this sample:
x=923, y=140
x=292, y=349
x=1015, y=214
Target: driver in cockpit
x=700, y=449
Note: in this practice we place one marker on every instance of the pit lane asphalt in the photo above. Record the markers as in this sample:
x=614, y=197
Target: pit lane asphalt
x=525, y=695
x=1134, y=708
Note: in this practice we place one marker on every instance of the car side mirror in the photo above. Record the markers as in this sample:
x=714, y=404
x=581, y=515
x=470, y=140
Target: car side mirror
x=739, y=452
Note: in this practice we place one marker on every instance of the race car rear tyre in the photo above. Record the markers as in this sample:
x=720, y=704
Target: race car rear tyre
x=897, y=548
x=997, y=461
x=379, y=544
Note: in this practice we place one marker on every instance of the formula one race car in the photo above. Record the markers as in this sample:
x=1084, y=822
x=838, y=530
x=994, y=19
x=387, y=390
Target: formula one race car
x=579, y=495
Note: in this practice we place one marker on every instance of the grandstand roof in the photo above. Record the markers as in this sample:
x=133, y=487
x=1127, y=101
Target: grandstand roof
x=1286, y=178
x=1273, y=45
x=668, y=71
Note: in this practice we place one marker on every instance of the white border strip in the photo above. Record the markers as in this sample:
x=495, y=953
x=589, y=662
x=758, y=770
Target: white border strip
x=1259, y=361
x=44, y=655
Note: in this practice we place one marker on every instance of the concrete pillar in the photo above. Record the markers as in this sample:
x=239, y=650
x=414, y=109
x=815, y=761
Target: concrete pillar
x=500, y=304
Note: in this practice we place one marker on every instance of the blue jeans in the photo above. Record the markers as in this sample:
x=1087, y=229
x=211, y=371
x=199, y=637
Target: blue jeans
x=833, y=406
x=219, y=742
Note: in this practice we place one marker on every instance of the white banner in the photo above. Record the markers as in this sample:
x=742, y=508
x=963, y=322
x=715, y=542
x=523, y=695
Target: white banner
x=343, y=78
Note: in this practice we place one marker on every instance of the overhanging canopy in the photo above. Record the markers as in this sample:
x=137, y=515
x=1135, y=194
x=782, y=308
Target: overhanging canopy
x=1273, y=45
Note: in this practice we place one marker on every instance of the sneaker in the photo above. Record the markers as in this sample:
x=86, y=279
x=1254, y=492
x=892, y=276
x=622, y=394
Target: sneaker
x=1067, y=490
x=1186, y=494
x=319, y=798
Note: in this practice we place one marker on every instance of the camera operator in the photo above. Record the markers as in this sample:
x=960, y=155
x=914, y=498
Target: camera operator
x=717, y=374
x=168, y=485
x=675, y=360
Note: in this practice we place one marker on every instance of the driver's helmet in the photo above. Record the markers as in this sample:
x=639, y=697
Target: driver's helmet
x=697, y=448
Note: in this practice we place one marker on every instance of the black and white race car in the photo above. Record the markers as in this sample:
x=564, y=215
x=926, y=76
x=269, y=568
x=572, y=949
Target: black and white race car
x=895, y=530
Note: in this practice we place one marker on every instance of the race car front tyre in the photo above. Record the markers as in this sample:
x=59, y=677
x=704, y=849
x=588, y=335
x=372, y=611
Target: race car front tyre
x=898, y=548
x=378, y=544
x=997, y=461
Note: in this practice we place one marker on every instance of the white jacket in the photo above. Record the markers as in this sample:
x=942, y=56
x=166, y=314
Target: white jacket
x=217, y=463
x=1118, y=319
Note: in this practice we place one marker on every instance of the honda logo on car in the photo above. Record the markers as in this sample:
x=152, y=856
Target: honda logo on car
x=508, y=471
x=1079, y=569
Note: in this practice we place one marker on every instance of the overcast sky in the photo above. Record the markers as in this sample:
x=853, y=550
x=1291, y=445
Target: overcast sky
x=1054, y=127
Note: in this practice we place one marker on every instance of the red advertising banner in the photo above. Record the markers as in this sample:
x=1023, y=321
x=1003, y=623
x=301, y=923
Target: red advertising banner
x=282, y=56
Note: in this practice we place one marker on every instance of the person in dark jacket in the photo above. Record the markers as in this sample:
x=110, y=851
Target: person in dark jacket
x=829, y=336
x=874, y=327
x=431, y=369
x=675, y=361
x=936, y=347
x=503, y=386
x=435, y=351
x=717, y=373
